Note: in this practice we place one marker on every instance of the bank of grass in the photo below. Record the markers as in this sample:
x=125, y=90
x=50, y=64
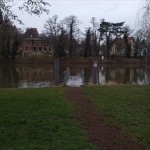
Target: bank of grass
x=39, y=119
x=126, y=106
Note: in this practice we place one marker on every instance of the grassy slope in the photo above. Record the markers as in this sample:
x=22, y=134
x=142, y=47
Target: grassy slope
x=39, y=119
x=126, y=106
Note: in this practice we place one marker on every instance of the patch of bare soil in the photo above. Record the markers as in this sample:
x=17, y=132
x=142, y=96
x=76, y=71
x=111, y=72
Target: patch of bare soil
x=104, y=136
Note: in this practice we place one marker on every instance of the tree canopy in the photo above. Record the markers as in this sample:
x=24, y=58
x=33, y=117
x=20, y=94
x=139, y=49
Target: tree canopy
x=110, y=31
x=36, y=7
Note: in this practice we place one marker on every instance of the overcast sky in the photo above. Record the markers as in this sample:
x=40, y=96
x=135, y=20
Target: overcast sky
x=111, y=10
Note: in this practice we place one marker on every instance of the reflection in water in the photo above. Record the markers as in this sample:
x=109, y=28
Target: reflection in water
x=26, y=84
x=26, y=76
x=8, y=77
x=95, y=74
x=49, y=75
x=125, y=75
x=56, y=67
x=102, y=78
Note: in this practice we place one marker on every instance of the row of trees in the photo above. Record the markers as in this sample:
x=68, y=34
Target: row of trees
x=65, y=34
x=9, y=34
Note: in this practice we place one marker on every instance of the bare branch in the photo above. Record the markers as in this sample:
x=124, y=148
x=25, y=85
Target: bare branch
x=36, y=7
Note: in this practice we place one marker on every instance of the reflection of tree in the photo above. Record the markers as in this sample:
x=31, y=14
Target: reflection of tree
x=36, y=73
x=127, y=75
x=9, y=77
x=147, y=75
x=135, y=75
x=107, y=74
x=101, y=75
x=140, y=74
x=121, y=75
x=95, y=75
x=143, y=75
x=77, y=70
x=87, y=74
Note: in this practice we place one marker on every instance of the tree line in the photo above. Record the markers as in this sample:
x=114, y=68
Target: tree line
x=66, y=35
x=67, y=38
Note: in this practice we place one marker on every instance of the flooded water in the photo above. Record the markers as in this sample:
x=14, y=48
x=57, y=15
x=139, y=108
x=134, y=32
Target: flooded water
x=25, y=76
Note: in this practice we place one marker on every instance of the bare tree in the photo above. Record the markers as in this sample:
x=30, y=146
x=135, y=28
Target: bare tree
x=36, y=7
x=127, y=32
x=52, y=27
x=144, y=32
x=94, y=35
x=87, y=50
x=146, y=14
x=71, y=22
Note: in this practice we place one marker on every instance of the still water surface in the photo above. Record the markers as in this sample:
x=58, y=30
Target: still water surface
x=24, y=76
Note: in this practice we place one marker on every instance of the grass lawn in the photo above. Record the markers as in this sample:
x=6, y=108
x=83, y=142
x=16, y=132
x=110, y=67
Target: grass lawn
x=38, y=119
x=126, y=106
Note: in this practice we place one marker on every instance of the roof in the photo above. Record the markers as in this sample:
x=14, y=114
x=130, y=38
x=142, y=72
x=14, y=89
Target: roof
x=31, y=32
x=32, y=39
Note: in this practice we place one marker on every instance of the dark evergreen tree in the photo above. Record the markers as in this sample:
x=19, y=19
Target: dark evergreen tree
x=94, y=38
x=87, y=50
x=61, y=43
x=1, y=17
x=7, y=32
x=127, y=32
x=110, y=31
x=14, y=49
x=128, y=46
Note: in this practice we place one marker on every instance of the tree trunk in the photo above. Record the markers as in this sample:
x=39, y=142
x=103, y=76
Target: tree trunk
x=107, y=47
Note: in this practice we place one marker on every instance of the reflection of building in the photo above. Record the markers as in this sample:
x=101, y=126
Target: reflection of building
x=36, y=74
x=119, y=47
x=34, y=45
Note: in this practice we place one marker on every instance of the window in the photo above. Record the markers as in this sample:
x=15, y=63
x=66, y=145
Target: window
x=45, y=48
x=27, y=48
x=34, y=48
x=40, y=48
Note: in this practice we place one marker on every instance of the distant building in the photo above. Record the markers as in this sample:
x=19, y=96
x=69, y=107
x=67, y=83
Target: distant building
x=34, y=45
x=119, y=47
x=31, y=32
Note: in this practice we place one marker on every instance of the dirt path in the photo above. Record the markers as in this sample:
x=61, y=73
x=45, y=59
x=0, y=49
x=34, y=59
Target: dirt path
x=104, y=136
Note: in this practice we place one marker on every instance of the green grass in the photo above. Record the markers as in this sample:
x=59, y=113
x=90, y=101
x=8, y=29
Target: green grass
x=38, y=119
x=126, y=106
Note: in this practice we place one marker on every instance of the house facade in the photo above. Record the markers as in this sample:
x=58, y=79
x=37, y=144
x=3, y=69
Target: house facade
x=34, y=45
x=119, y=47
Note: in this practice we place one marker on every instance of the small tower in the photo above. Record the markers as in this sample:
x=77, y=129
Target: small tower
x=31, y=32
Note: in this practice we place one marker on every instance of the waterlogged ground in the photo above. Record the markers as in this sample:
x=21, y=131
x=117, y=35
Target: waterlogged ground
x=36, y=76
